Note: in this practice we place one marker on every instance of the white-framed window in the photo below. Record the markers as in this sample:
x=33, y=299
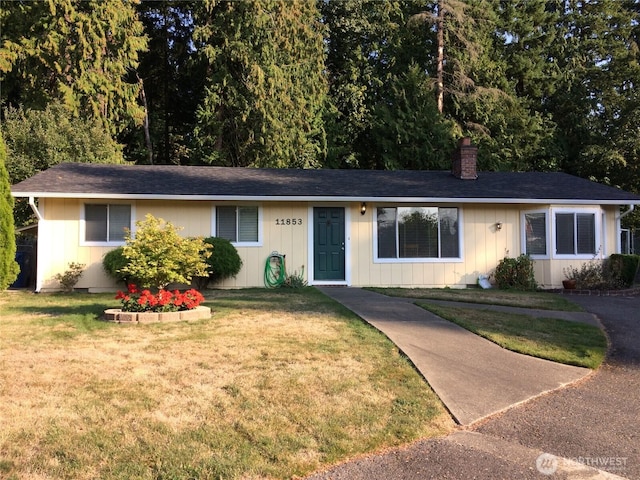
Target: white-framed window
x=576, y=233
x=535, y=234
x=419, y=233
x=240, y=224
x=105, y=223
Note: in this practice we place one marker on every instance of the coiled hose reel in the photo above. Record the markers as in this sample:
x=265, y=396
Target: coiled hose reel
x=275, y=271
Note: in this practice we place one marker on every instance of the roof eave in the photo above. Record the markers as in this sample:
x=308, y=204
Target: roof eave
x=328, y=198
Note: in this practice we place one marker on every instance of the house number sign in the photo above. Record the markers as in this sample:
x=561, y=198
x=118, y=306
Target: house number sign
x=288, y=221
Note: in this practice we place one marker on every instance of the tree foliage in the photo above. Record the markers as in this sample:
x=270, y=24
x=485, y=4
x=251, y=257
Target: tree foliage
x=39, y=139
x=9, y=269
x=78, y=52
x=263, y=106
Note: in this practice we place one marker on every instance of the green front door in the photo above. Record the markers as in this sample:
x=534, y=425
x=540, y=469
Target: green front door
x=328, y=243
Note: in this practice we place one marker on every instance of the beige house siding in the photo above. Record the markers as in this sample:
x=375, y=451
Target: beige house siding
x=483, y=245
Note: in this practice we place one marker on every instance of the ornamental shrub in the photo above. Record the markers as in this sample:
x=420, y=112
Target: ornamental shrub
x=224, y=261
x=70, y=277
x=624, y=268
x=158, y=255
x=113, y=262
x=516, y=273
x=9, y=268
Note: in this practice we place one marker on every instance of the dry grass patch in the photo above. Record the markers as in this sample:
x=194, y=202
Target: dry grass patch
x=276, y=385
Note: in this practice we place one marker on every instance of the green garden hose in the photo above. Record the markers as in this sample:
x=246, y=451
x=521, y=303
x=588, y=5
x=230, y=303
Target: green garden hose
x=275, y=271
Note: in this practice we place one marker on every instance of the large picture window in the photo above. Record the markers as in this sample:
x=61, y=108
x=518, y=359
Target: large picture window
x=106, y=223
x=417, y=232
x=237, y=224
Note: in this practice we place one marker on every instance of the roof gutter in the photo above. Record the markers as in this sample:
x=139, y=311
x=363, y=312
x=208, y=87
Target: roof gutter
x=34, y=207
x=624, y=214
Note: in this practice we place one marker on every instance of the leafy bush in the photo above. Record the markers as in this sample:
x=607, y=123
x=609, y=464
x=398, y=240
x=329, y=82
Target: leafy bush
x=295, y=280
x=224, y=261
x=69, y=278
x=158, y=255
x=623, y=267
x=595, y=274
x=516, y=273
x=113, y=262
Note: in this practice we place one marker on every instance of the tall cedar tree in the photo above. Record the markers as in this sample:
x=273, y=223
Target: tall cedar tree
x=76, y=51
x=9, y=269
x=264, y=103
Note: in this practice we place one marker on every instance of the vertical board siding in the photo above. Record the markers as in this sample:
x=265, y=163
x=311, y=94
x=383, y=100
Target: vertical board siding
x=483, y=245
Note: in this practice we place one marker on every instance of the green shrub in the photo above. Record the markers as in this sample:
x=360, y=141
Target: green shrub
x=158, y=255
x=295, y=280
x=516, y=273
x=69, y=278
x=113, y=262
x=224, y=261
x=597, y=274
x=623, y=267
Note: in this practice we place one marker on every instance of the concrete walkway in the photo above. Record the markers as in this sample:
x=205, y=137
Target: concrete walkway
x=473, y=377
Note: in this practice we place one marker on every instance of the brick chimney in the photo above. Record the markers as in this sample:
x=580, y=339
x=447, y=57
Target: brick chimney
x=464, y=159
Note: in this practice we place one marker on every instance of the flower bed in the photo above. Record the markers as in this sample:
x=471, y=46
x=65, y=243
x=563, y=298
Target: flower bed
x=142, y=306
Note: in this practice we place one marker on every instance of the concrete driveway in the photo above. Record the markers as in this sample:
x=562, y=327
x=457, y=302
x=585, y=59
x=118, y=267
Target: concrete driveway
x=590, y=429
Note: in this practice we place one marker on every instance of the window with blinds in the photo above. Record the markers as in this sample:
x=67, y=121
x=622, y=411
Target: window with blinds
x=575, y=233
x=535, y=225
x=237, y=224
x=417, y=232
x=106, y=222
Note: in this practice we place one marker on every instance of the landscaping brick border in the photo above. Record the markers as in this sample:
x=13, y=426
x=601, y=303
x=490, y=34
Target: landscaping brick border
x=118, y=316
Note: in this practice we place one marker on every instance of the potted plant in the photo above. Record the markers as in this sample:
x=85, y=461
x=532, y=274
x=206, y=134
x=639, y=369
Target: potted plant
x=570, y=281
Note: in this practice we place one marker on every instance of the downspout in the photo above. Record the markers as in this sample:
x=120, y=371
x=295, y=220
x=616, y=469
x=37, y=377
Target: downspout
x=624, y=214
x=34, y=207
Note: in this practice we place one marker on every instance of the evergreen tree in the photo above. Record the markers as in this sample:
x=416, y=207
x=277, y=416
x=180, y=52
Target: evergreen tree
x=9, y=269
x=263, y=106
x=370, y=46
x=408, y=131
x=75, y=51
x=173, y=76
x=596, y=105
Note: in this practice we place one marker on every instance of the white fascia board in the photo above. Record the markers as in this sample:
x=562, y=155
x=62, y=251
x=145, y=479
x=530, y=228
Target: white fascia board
x=306, y=198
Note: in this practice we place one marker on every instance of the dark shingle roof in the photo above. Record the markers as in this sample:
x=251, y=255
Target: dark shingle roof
x=83, y=180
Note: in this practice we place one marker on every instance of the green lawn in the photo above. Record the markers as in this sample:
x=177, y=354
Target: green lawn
x=493, y=296
x=278, y=384
x=562, y=341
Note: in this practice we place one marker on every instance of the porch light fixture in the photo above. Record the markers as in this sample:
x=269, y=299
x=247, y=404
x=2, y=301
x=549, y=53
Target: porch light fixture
x=363, y=208
x=498, y=226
